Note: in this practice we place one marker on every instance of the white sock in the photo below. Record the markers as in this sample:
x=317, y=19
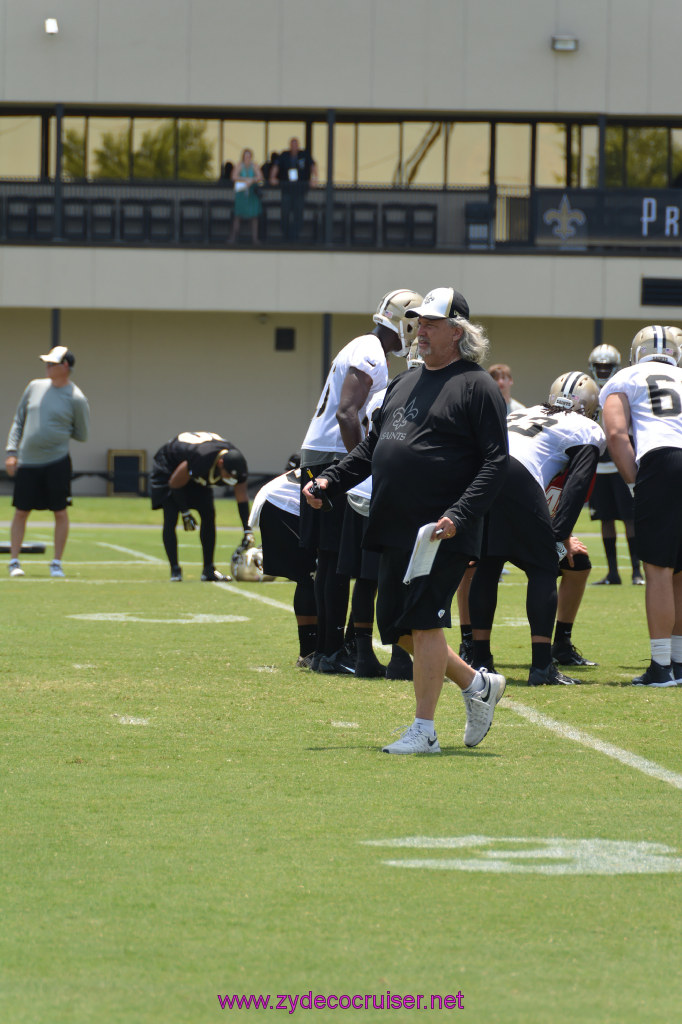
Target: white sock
x=425, y=725
x=476, y=685
x=676, y=648
x=660, y=651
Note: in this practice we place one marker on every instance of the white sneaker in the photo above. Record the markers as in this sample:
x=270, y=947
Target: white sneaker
x=56, y=570
x=15, y=569
x=414, y=741
x=480, y=707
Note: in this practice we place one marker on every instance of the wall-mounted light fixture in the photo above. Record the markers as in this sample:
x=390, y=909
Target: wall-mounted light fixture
x=51, y=26
x=564, y=44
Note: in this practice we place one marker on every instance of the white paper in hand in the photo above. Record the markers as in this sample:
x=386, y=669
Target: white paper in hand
x=423, y=554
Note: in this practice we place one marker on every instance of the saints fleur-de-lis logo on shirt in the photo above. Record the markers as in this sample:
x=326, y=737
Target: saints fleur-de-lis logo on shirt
x=403, y=415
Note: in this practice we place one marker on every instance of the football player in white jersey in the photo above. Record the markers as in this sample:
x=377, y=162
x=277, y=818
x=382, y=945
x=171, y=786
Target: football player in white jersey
x=357, y=373
x=544, y=440
x=610, y=498
x=646, y=398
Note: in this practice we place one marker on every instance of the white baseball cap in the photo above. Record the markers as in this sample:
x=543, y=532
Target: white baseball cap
x=59, y=354
x=441, y=303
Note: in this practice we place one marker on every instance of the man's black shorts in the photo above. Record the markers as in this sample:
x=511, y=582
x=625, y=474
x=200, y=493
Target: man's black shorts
x=319, y=529
x=354, y=560
x=282, y=554
x=658, y=520
x=611, y=498
x=425, y=602
x=48, y=486
x=518, y=526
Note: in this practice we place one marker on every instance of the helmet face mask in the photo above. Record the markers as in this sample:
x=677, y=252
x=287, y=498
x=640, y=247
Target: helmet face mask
x=575, y=392
x=655, y=344
x=391, y=313
x=604, y=362
x=413, y=358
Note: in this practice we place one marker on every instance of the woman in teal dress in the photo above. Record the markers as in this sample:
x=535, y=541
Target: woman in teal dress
x=246, y=176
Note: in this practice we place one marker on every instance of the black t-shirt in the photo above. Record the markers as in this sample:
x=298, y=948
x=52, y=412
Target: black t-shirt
x=438, y=446
x=201, y=450
x=302, y=163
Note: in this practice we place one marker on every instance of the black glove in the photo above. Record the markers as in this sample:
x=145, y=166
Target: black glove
x=188, y=521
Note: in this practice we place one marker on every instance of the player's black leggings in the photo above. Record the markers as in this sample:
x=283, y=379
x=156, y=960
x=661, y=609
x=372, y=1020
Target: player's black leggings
x=541, y=596
x=200, y=499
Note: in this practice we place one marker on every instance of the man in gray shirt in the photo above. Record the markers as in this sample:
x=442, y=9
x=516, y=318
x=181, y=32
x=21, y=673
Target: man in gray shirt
x=51, y=411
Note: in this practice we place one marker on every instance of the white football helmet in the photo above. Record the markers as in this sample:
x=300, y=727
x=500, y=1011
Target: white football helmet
x=604, y=362
x=413, y=357
x=391, y=313
x=575, y=391
x=656, y=344
x=247, y=566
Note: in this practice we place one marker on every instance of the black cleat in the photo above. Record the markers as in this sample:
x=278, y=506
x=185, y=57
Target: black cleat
x=369, y=668
x=466, y=651
x=340, y=663
x=567, y=654
x=656, y=675
x=608, y=581
x=550, y=676
x=486, y=665
x=677, y=672
x=176, y=574
x=637, y=580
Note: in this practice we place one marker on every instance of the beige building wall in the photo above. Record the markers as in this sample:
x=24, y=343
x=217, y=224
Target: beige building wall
x=466, y=55
x=150, y=375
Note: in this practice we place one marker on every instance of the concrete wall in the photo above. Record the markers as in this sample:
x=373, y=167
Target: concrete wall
x=447, y=55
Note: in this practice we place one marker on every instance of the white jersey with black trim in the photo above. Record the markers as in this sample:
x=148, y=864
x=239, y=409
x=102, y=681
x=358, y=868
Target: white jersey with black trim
x=284, y=492
x=539, y=438
x=364, y=353
x=654, y=394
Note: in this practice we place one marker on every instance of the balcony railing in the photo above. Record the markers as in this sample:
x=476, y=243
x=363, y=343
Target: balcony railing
x=201, y=216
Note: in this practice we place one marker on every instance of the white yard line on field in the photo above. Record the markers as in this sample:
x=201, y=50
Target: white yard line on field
x=129, y=551
x=569, y=732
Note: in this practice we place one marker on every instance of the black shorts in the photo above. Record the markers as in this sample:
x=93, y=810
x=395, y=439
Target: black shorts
x=581, y=563
x=354, y=560
x=282, y=554
x=611, y=498
x=518, y=526
x=48, y=486
x=198, y=497
x=422, y=604
x=320, y=529
x=658, y=519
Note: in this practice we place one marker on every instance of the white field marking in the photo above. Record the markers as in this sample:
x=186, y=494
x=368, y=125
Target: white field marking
x=569, y=732
x=264, y=668
x=129, y=720
x=130, y=551
x=188, y=620
x=539, y=856
x=345, y=725
x=227, y=589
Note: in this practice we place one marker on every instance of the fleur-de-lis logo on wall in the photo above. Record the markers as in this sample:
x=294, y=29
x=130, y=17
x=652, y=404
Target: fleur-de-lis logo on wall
x=566, y=218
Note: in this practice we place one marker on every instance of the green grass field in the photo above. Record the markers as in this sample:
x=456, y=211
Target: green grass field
x=186, y=816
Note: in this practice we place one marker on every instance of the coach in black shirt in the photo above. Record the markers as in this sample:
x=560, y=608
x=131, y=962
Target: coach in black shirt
x=437, y=452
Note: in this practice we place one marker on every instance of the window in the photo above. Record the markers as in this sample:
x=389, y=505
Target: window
x=108, y=147
x=378, y=155
x=198, y=149
x=423, y=155
x=512, y=155
x=20, y=147
x=154, y=148
x=241, y=135
x=550, y=155
x=468, y=154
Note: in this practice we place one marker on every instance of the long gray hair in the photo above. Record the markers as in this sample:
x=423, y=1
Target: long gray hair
x=474, y=343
